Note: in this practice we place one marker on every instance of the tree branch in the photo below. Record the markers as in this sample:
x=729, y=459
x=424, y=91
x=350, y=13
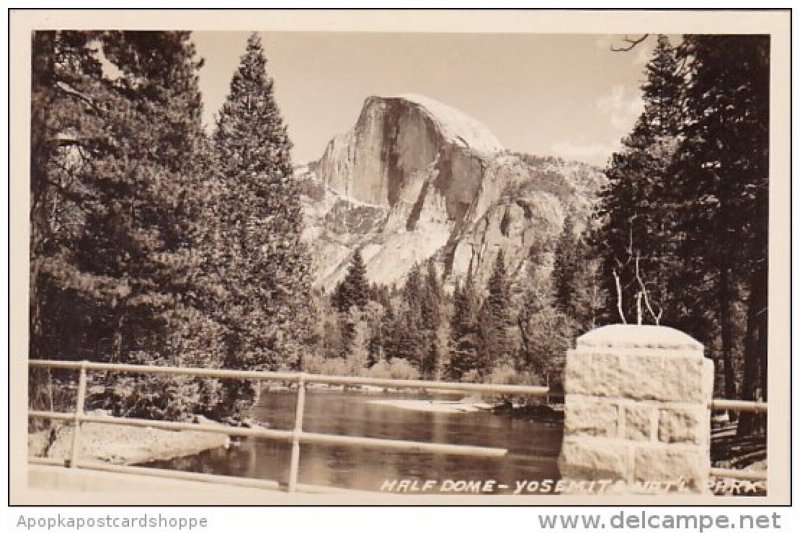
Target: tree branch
x=66, y=89
x=630, y=44
x=639, y=308
x=643, y=292
x=619, y=296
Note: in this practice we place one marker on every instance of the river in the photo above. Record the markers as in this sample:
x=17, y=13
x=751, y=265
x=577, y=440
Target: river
x=532, y=446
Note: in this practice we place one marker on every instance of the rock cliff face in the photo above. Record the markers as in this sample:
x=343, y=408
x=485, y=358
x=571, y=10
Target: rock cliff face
x=415, y=178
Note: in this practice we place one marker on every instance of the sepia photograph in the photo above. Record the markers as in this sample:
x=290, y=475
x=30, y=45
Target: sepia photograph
x=396, y=264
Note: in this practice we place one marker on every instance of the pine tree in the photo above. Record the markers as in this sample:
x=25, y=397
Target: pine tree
x=410, y=337
x=721, y=181
x=148, y=226
x=577, y=288
x=265, y=264
x=432, y=310
x=635, y=208
x=67, y=92
x=385, y=338
x=354, y=289
x=352, y=293
x=688, y=196
x=495, y=318
x=546, y=333
x=114, y=163
x=66, y=78
x=464, y=331
x=330, y=341
x=565, y=267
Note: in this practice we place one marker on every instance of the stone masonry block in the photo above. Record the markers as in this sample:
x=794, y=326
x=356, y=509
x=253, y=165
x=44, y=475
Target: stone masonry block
x=641, y=376
x=624, y=336
x=590, y=417
x=689, y=424
x=592, y=373
x=593, y=459
x=638, y=421
x=574, y=371
x=670, y=377
x=672, y=464
x=685, y=378
x=708, y=379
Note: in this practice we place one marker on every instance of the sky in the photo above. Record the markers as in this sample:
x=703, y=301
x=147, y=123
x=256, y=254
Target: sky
x=545, y=94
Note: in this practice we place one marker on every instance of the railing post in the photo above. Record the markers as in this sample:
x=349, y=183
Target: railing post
x=294, y=466
x=79, y=411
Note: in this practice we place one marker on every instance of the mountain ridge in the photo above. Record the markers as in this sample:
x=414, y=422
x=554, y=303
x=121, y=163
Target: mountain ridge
x=405, y=184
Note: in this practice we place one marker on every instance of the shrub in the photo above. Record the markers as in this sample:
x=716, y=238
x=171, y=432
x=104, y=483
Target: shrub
x=400, y=368
x=506, y=374
x=155, y=396
x=471, y=376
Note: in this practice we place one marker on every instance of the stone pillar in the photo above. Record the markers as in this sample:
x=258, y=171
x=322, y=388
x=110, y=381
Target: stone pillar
x=637, y=410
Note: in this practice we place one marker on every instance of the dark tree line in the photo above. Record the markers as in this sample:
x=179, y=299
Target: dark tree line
x=150, y=241
x=685, y=215
x=513, y=330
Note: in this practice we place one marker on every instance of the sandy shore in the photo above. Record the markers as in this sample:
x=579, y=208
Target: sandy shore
x=124, y=445
x=435, y=406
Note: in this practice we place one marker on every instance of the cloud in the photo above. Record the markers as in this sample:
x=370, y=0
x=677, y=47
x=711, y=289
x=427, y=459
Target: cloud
x=604, y=42
x=622, y=106
x=642, y=53
x=596, y=153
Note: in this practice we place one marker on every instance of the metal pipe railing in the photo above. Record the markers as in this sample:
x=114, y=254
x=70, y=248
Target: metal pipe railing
x=272, y=434
x=733, y=473
x=294, y=464
x=720, y=404
x=301, y=437
x=292, y=377
x=296, y=436
x=79, y=412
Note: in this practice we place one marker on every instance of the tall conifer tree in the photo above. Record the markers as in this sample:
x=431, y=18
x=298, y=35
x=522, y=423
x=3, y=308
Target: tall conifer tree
x=495, y=318
x=266, y=265
x=464, y=331
x=354, y=289
x=722, y=173
x=635, y=207
x=114, y=163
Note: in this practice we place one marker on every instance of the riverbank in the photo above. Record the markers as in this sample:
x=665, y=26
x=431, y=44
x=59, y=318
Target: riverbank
x=436, y=406
x=541, y=413
x=548, y=414
x=366, y=389
x=123, y=445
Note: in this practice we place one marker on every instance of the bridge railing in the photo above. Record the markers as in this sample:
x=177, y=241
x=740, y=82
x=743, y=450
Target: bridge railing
x=295, y=436
x=720, y=404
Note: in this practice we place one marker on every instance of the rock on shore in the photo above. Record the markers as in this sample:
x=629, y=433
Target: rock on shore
x=124, y=445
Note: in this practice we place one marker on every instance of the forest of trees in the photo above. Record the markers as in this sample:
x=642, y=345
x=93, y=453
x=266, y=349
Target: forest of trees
x=151, y=241
x=685, y=215
x=154, y=241
x=514, y=330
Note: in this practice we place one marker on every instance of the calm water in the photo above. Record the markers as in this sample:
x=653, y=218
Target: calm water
x=532, y=446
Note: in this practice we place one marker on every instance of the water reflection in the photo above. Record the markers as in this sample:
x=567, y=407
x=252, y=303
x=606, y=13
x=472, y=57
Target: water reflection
x=532, y=447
